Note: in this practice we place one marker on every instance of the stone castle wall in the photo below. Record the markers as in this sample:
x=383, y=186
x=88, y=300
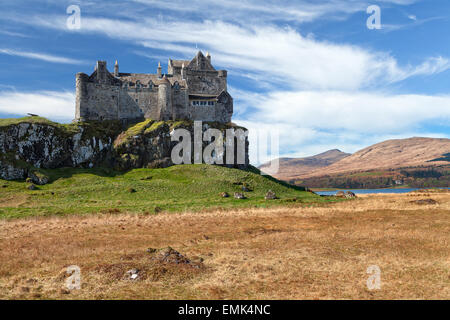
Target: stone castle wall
x=102, y=96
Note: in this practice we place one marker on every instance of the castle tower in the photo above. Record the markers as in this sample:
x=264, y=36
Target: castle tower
x=116, y=69
x=81, y=81
x=102, y=72
x=159, y=70
x=165, y=99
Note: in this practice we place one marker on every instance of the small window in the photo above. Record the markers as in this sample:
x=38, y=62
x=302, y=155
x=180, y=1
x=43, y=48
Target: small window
x=137, y=100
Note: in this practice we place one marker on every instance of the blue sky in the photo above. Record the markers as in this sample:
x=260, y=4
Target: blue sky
x=310, y=70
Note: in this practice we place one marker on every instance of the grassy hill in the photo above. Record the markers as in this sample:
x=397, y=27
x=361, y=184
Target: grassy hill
x=144, y=191
x=295, y=168
x=391, y=154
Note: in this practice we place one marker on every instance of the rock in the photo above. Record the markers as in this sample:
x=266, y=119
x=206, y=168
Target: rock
x=340, y=194
x=239, y=195
x=25, y=147
x=38, y=178
x=160, y=163
x=169, y=255
x=131, y=190
x=157, y=210
x=9, y=171
x=32, y=187
x=224, y=195
x=132, y=274
x=270, y=195
x=350, y=195
x=245, y=189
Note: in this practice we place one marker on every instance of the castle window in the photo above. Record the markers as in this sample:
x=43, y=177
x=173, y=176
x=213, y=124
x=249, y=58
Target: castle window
x=203, y=103
x=137, y=100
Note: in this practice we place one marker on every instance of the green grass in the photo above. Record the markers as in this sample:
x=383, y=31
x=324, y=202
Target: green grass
x=40, y=120
x=173, y=189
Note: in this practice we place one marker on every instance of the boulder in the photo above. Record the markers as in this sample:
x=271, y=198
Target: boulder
x=350, y=195
x=239, y=195
x=224, y=195
x=270, y=195
x=132, y=274
x=340, y=194
x=38, y=178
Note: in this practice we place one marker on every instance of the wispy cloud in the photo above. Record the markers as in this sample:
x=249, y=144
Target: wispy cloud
x=314, y=121
x=50, y=104
x=14, y=34
x=40, y=56
x=290, y=58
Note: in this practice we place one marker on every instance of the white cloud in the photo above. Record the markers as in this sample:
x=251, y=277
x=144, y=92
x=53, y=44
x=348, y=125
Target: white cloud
x=40, y=56
x=239, y=11
x=315, y=121
x=270, y=53
x=50, y=104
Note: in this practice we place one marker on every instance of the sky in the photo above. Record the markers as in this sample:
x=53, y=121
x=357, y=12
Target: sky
x=310, y=72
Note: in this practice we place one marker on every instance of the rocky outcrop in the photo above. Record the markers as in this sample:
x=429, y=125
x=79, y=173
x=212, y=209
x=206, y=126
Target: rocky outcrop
x=27, y=147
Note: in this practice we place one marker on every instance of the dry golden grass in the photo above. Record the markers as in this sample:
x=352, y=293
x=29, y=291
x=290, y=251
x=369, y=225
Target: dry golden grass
x=277, y=253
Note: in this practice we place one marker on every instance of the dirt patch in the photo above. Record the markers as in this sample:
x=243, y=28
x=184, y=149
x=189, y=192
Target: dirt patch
x=259, y=231
x=13, y=201
x=155, y=265
x=424, y=201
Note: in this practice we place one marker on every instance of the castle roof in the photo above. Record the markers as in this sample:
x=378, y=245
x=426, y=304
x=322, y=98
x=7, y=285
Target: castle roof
x=145, y=78
x=179, y=63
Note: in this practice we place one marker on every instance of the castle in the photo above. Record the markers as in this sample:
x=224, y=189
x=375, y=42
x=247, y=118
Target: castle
x=191, y=90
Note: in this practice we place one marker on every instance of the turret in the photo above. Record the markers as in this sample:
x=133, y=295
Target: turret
x=101, y=71
x=159, y=70
x=183, y=71
x=164, y=99
x=116, y=69
x=81, y=96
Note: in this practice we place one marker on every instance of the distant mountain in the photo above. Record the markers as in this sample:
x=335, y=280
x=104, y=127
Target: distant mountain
x=391, y=154
x=294, y=168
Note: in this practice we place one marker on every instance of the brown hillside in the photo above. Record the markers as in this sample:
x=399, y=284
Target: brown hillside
x=390, y=154
x=292, y=168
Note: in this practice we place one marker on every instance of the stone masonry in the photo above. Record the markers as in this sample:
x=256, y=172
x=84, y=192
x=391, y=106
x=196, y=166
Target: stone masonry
x=191, y=90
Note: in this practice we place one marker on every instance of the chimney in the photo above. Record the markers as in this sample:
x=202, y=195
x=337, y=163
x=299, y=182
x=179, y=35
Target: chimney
x=159, y=70
x=183, y=71
x=116, y=69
